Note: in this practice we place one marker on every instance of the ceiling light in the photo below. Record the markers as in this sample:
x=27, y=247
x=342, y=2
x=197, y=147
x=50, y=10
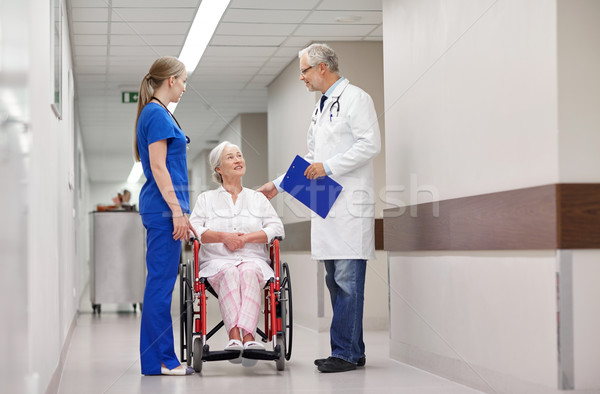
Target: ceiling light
x=347, y=19
x=136, y=173
x=205, y=23
x=203, y=27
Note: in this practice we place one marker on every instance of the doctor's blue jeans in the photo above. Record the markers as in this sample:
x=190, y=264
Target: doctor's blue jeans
x=345, y=280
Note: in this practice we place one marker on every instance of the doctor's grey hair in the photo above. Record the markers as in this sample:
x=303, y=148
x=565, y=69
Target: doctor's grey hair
x=214, y=159
x=321, y=53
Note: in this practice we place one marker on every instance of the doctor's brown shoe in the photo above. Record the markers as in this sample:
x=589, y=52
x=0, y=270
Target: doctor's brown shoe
x=361, y=361
x=334, y=364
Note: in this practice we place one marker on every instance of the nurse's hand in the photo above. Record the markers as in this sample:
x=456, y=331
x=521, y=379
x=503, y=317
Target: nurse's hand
x=268, y=189
x=314, y=171
x=192, y=229
x=181, y=228
x=233, y=241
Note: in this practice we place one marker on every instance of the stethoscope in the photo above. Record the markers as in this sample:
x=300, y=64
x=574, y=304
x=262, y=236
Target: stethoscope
x=336, y=102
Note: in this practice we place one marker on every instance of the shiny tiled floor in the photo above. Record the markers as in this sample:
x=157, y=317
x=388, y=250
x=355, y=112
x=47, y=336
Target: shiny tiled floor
x=103, y=358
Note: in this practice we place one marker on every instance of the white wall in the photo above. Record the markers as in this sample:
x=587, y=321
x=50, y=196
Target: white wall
x=288, y=117
x=255, y=148
x=578, y=90
x=485, y=97
x=480, y=317
x=249, y=132
x=232, y=132
x=14, y=156
x=586, y=318
x=51, y=291
x=470, y=95
x=82, y=221
x=200, y=176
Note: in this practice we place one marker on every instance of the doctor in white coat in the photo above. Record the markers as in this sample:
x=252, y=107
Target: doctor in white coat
x=343, y=139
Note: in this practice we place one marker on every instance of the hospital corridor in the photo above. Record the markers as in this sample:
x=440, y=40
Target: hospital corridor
x=383, y=196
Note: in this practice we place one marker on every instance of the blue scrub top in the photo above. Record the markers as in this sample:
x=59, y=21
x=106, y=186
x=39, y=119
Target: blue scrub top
x=155, y=124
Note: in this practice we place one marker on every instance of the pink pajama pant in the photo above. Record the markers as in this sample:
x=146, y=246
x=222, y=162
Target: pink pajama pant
x=239, y=290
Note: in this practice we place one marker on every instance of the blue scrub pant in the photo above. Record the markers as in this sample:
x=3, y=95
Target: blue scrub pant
x=162, y=262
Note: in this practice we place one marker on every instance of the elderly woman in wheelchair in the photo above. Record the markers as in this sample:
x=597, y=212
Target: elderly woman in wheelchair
x=234, y=225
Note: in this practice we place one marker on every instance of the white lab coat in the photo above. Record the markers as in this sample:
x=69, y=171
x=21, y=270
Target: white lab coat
x=347, y=141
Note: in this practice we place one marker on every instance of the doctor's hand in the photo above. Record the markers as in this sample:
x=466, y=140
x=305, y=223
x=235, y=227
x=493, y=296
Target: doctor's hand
x=234, y=241
x=268, y=189
x=314, y=171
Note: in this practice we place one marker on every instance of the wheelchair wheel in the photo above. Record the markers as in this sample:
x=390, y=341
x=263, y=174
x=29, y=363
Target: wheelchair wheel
x=181, y=311
x=280, y=362
x=189, y=313
x=186, y=312
x=287, y=321
x=197, y=355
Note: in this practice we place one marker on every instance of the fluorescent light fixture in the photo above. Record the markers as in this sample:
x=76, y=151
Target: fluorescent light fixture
x=203, y=27
x=136, y=173
x=205, y=23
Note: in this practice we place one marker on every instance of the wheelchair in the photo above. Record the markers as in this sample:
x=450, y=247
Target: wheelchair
x=278, y=322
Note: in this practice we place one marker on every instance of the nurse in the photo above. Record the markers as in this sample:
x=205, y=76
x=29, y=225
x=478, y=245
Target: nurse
x=160, y=145
x=343, y=138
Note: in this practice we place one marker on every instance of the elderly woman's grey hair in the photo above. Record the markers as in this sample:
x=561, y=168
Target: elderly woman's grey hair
x=320, y=53
x=214, y=159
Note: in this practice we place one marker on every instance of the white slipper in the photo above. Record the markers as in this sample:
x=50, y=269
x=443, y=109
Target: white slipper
x=235, y=345
x=251, y=345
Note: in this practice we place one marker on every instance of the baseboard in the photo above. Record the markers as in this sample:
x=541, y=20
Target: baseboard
x=55, y=381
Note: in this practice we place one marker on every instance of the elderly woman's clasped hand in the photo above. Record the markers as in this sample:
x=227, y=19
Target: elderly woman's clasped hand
x=234, y=241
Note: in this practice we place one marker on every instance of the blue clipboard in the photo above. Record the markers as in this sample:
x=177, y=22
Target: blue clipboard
x=317, y=194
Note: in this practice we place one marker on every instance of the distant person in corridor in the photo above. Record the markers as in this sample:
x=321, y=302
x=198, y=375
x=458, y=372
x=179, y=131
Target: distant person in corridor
x=160, y=145
x=343, y=139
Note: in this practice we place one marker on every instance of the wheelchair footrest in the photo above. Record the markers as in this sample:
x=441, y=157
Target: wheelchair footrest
x=219, y=355
x=262, y=354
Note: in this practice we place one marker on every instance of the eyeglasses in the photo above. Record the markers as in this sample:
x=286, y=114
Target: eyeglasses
x=303, y=72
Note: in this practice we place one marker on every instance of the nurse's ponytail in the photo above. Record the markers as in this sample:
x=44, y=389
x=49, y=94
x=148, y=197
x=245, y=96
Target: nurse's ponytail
x=163, y=68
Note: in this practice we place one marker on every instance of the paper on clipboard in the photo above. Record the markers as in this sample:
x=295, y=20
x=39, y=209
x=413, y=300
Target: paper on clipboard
x=317, y=194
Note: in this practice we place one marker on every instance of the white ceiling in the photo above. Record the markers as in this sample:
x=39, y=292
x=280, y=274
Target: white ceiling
x=114, y=42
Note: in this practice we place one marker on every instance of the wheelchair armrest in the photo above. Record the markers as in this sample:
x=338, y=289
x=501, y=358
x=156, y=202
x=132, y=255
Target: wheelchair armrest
x=278, y=238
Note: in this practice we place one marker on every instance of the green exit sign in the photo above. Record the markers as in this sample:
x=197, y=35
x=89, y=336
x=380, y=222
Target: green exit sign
x=129, y=97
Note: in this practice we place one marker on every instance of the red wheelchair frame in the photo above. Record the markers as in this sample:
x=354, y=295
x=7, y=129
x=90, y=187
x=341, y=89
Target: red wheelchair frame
x=277, y=311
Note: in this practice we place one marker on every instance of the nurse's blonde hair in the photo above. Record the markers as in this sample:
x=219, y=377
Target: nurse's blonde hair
x=162, y=69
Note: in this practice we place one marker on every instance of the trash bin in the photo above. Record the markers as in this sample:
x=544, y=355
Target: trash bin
x=118, y=270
